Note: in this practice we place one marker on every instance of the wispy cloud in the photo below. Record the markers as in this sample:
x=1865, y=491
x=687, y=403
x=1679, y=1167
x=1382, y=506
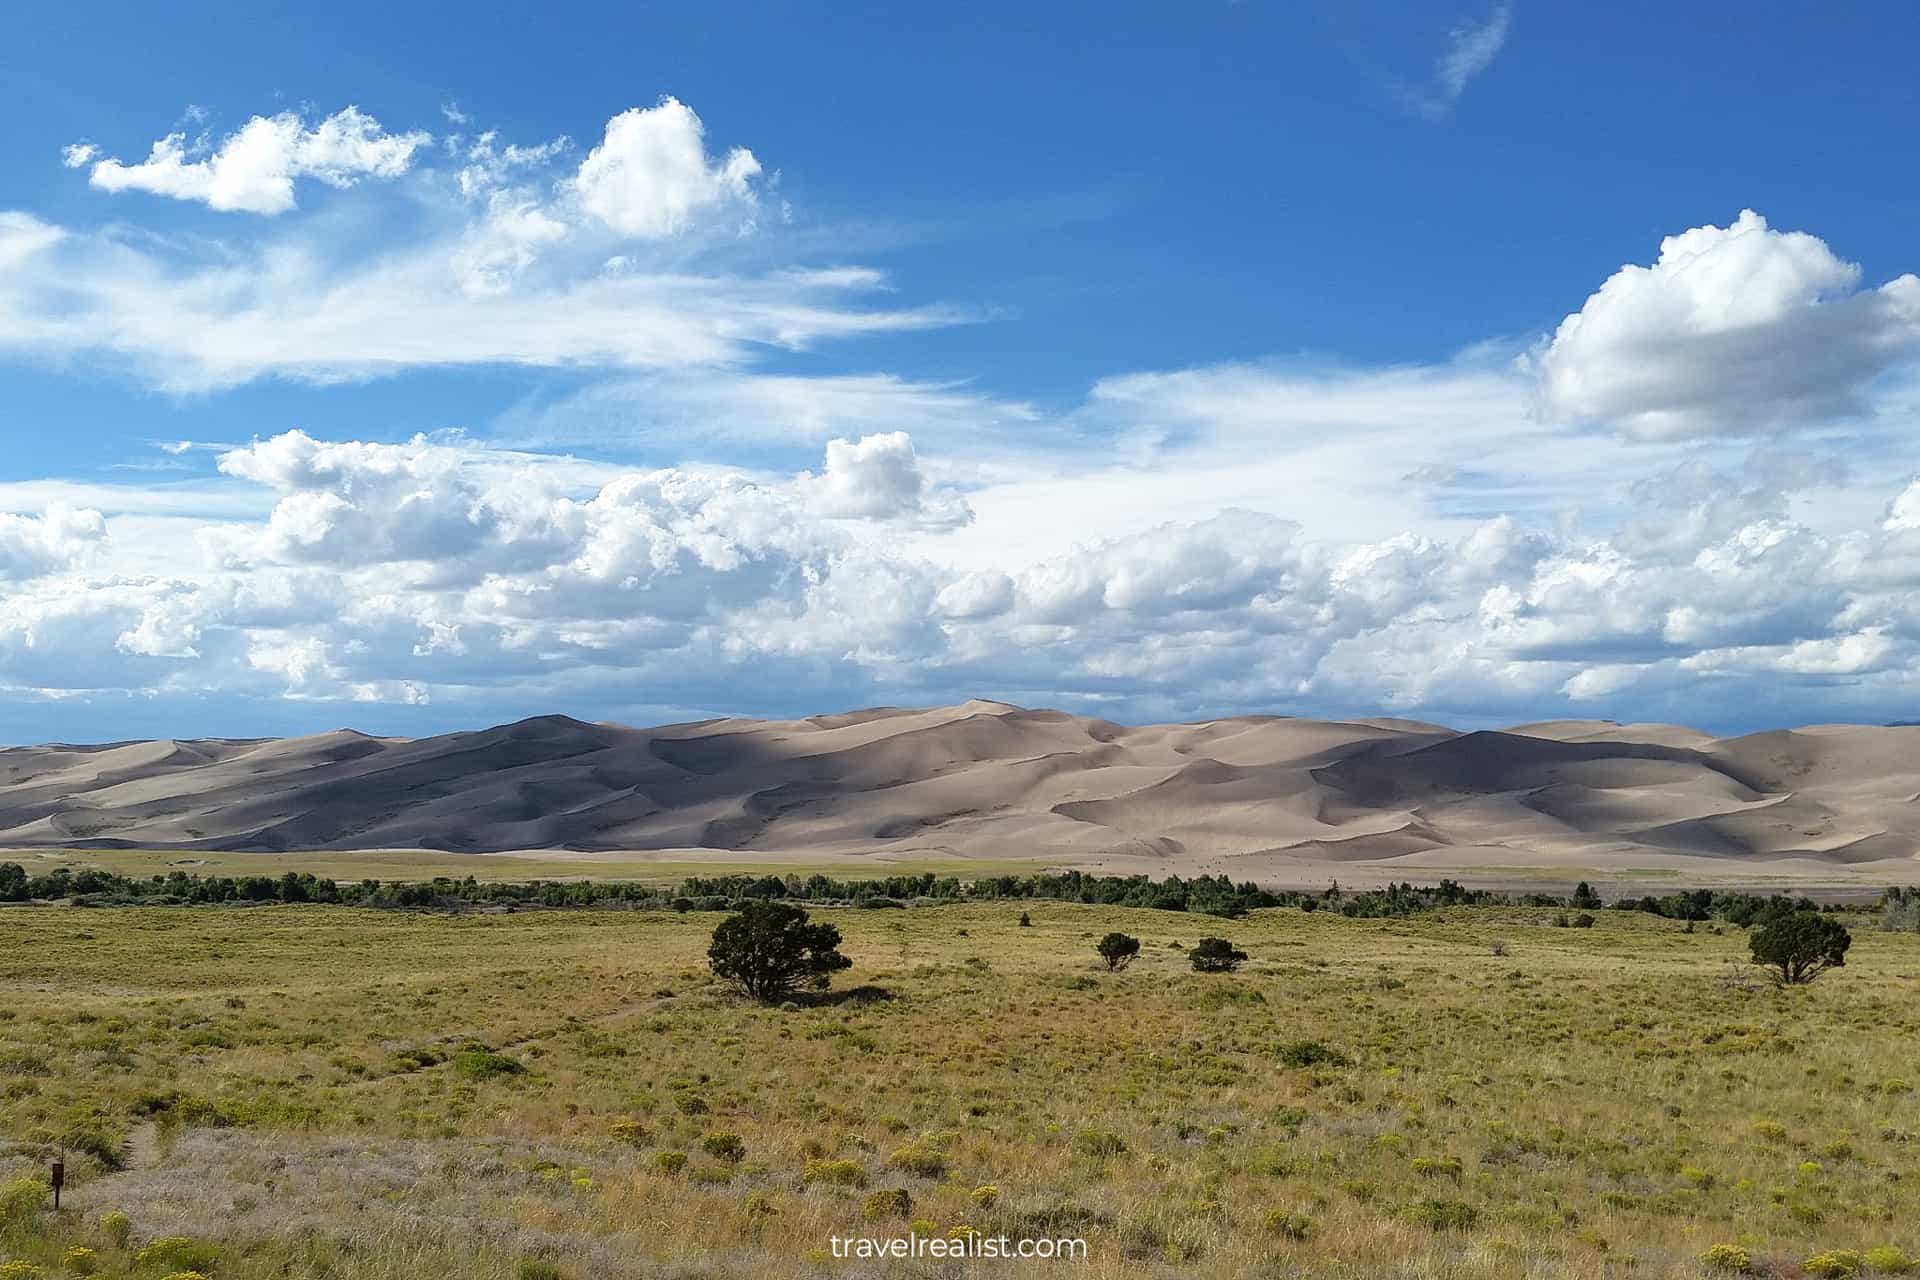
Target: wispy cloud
x=1473, y=50
x=1470, y=51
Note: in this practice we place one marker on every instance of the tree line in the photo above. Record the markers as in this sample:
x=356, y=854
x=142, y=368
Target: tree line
x=1203, y=895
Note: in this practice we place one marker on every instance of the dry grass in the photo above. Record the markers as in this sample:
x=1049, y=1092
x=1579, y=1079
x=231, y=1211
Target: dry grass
x=1595, y=1102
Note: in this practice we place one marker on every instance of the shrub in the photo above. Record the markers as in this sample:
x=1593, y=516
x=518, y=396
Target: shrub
x=19, y=1269
x=118, y=1227
x=1583, y=921
x=1438, y=1167
x=1292, y=1226
x=1444, y=1215
x=1026, y=921
x=1215, y=955
x=769, y=950
x=1889, y=1260
x=178, y=1253
x=724, y=1146
x=1728, y=1257
x=1834, y=1262
x=22, y=1198
x=484, y=1064
x=106, y=1152
x=536, y=1269
x=1800, y=946
x=837, y=1173
x=80, y=1260
x=986, y=1197
x=919, y=1158
x=631, y=1132
x=1498, y=946
x=1118, y=950
x=1096, y=1143
x=1312, y=1053
x=890, y=1202
x=670, y=1162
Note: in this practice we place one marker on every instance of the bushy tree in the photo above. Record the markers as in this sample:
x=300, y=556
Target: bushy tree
x=1801, y=946
x=1584, y=896
x=769, y=950
x=1118, y=950
x=1215, y=955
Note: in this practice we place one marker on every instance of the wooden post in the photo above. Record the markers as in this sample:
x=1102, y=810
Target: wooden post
x=59, y=1180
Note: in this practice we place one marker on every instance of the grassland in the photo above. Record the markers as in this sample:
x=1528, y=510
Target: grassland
x=326, y=1091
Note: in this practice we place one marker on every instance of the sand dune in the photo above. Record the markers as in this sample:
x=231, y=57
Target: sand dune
x=989, y=780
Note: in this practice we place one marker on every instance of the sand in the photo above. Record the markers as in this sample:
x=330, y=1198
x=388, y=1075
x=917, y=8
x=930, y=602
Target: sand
x=1274, y=799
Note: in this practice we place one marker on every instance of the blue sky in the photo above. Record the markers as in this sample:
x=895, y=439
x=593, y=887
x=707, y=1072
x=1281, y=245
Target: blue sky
x=1154, y=360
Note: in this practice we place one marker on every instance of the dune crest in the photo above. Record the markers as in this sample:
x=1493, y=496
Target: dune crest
x=991, y=780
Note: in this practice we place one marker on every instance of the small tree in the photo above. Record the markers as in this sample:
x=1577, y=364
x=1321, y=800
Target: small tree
x=1215, y=955
x=1801, y=946
x=1118, y=950
x=769, y=950
x=1584, y=897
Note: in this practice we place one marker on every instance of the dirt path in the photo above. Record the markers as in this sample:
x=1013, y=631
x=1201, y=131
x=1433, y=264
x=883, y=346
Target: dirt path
x=142, y=1149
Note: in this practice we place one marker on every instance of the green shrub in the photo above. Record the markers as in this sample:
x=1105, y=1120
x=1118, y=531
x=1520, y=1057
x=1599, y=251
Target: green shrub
x=117, y=1227
x=838, y=1173
x=670, y=1162
x=724, y=1146
x=1118, y=950
x=1292, y=1226
x=22, y=1198
x=768, y=950
x=1312, y=1053
x=889, y=1202
x=1438, y=1167
x=1444, y=1215
x=536, y=1269
x=1834, y=1263
x=80, y=1260
x=177, y=1253
x=1889, y=1261
x=1095, y=1142
x=1215, y=955
x=919, y=1158
x=1728, y=1257
x=484, y=1064
x=1800, y=946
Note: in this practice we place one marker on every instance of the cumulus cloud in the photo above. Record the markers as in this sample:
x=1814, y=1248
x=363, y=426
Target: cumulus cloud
x=651, y=174
x=879, y=478
x=33, y=545
x=505, y=255
x=253, y=169
x=1732, y=329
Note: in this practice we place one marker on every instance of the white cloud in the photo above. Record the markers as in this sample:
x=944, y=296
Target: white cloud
x=651, y=174
x=633, y=260
x=31, y=546
x=878, y=477
x=1732, y=329
x=1472, y=50
x=253, y=169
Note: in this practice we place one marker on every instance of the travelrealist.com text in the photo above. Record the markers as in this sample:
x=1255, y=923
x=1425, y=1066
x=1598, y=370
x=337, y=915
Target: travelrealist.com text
x=961, y=1246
